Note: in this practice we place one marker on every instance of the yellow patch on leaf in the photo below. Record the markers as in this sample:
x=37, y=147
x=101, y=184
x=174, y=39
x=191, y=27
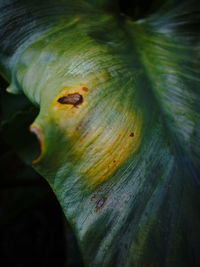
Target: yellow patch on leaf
x=102, y=134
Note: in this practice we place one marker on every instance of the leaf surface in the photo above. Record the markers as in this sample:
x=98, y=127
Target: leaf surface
x=118, y=124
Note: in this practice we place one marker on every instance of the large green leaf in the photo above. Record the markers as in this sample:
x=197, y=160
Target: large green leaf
x=119, y=122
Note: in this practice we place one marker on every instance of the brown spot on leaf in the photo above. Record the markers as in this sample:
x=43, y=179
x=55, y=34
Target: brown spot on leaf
x=131, y=135
x=100, y=203
x=85, y=89
x=71, y=99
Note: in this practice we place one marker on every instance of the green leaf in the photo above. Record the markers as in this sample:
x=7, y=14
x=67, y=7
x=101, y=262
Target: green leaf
x=119, y=123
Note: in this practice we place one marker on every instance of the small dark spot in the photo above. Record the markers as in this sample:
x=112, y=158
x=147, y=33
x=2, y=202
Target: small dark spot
x=71, y=99
x=114, y=161
x=85, y=89
x=131, y=135
x=100, y=203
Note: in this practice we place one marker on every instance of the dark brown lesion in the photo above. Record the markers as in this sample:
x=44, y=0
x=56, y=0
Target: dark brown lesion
x=71, y=99
x=100, y=203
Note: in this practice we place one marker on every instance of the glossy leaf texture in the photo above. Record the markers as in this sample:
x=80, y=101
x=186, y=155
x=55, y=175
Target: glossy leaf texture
x=119, y=122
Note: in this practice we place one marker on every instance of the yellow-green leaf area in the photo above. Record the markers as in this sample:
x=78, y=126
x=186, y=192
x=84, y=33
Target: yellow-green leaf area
x=98, y=135
x=102, y=132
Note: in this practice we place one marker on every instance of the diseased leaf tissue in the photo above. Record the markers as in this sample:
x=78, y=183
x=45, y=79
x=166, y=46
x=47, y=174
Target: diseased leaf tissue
x=71, y=99
x=119, y=121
